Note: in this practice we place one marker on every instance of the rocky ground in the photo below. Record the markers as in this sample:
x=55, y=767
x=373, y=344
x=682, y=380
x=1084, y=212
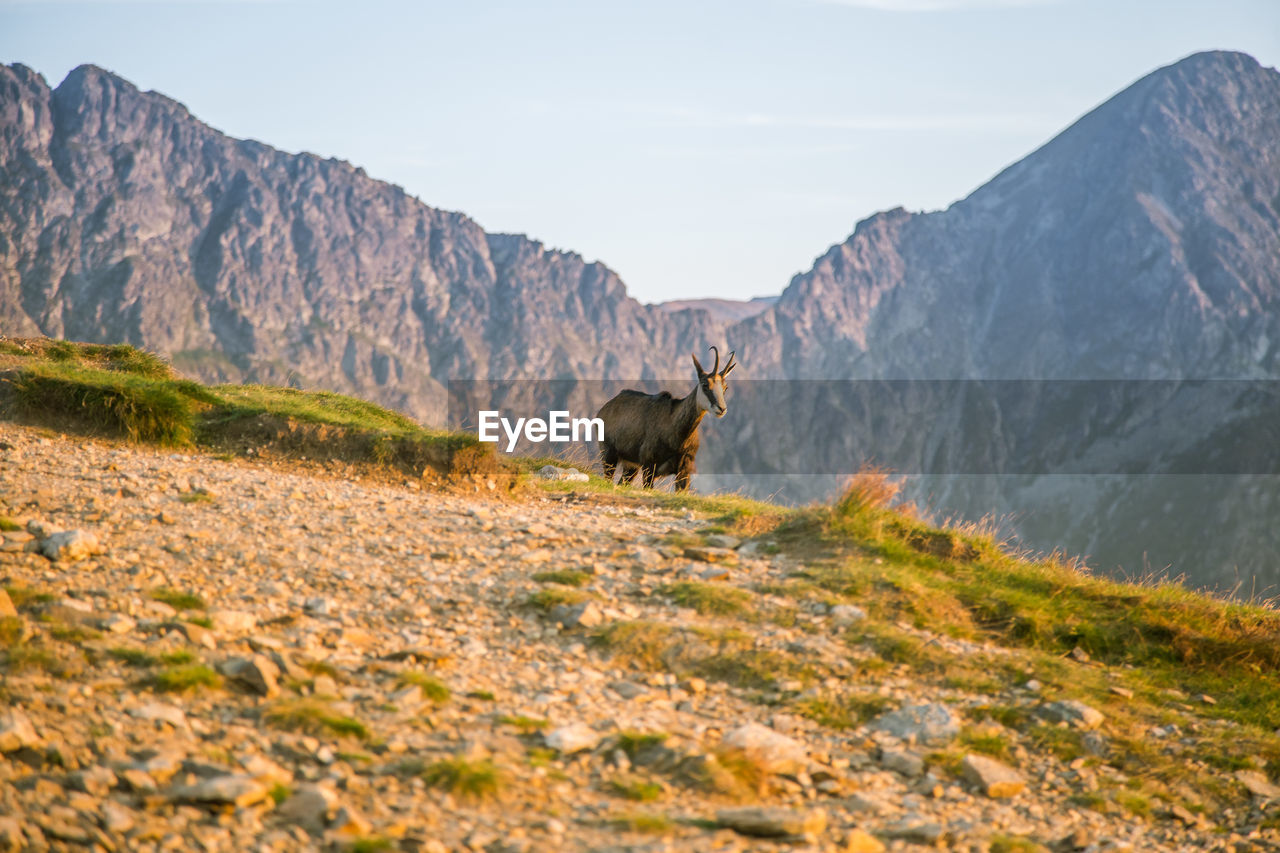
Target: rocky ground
x=235, y=655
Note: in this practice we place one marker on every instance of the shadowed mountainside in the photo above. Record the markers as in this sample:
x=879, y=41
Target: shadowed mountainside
x=1143, y=242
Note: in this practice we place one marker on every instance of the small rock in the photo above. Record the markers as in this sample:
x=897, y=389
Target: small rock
x=1071, y=712
x=407, y=698
x=233, y=621
x=319, y=606
x=567, y=475
x=860, y=841
x=70, y=546
x=991, y=777
x=847, y=614
x=770, y=751
x=712, y=555
x=1122, y=692
x=117, y=623
x=909, y=764
x=159, y=712
x=349, y=823
x=925, y=724
x=584, y=615
x=236, y=789
x=16, y=731
x=916, y=830
x=6, y=605
x=197, y=635
x=1258, y=784
x=257, y=673
x=628, y=689
x=138, y=781
x=724, y=540
x=309, y=807
x=116, y=817
x=773, y=821
x=96, y=781
x=11, y=837
x=265, y=770
x=572, y=738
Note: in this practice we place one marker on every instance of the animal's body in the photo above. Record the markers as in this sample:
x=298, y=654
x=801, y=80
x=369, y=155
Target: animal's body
x=657, y=434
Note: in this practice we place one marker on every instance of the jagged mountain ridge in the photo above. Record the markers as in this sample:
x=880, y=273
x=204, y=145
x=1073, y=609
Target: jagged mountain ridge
x=123, y=218
x=1141, y=242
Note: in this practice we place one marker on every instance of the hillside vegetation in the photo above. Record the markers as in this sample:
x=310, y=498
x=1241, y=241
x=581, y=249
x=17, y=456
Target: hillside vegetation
x=120, y=391
x=1187, y=685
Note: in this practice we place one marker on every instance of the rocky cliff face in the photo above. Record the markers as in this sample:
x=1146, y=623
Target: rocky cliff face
x=1142, y=242
x=123, y=218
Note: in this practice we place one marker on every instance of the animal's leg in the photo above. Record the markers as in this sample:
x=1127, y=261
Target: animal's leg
x=628, y=473
x=609, y=461
x=650, y=471
x=684, y=472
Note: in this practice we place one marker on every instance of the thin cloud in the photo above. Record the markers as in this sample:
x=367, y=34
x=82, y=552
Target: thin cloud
x=1002, y=122
x=935, y=5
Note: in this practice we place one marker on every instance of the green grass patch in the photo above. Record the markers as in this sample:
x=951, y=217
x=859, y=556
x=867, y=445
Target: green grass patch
x=722, y=654
x=280, y=792
x=137, y=407
x=464, y=779
x=11, y=631
x=371, y=844
x=142, y=658
x=433, y=688
x=635, y=788
x=564, y=577
x=177, y=599
x=546, y=599
x=526, y=725
x=843, y=712
x=8, y=524
x=709, y=599
x=1015, y=844
x=1136, y=804
x=635, y=743
x=26, y=598
x=994, y=744
x=321, y=667
x=122, y=391
x=482, y=695
x=185, y=677
x=314, y=716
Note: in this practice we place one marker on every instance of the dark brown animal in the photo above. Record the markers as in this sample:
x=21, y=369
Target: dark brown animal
x=657, y=434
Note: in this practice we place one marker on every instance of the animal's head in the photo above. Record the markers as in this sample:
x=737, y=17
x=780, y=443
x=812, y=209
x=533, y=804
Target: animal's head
x=712, y=385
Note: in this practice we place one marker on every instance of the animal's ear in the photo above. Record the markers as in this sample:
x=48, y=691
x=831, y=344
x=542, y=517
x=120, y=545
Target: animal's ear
x=729, y=366
x=701, y=372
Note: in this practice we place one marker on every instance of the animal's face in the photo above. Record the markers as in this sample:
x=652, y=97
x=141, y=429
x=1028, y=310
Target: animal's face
x=713, y=386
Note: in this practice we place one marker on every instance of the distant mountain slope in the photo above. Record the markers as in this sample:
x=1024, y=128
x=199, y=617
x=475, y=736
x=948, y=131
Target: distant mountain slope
x=124, y=218
x=726, y=310
x=1141, y=242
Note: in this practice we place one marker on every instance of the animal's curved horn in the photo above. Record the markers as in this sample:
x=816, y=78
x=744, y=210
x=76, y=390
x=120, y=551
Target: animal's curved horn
x=698, y=365
x=716, y=369
x=729, y=365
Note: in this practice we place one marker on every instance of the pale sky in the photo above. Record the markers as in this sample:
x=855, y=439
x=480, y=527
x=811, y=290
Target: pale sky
x=698, y=148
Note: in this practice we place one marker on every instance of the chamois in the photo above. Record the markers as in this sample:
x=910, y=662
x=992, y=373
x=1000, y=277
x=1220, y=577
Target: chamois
x=657, y=434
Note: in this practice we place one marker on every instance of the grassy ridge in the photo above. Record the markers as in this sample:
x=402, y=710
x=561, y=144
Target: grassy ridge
x=122, y=391
x=1149, y=656
x=1144, y=654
